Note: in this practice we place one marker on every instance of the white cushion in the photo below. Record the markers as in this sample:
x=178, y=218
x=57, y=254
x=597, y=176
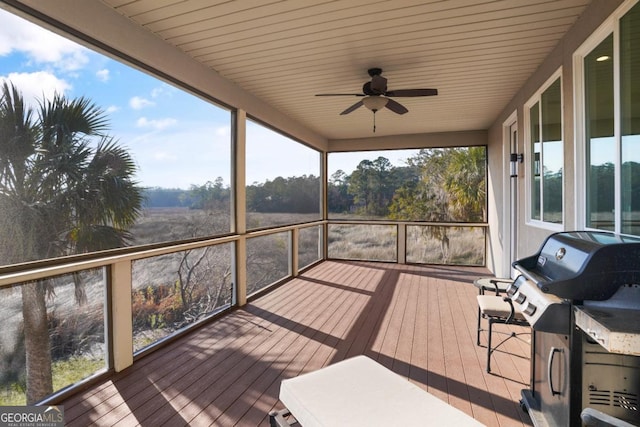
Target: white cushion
x=360, y=392
x=494, y=306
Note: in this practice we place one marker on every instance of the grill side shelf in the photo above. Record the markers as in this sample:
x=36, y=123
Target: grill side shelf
x=617, y=330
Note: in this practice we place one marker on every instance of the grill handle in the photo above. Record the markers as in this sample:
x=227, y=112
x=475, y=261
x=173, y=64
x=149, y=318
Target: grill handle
x=530, y=275
x=552, y=354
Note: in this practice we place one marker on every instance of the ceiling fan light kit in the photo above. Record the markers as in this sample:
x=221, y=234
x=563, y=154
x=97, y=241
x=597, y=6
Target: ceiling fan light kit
x=376, y=96
x=375, y=103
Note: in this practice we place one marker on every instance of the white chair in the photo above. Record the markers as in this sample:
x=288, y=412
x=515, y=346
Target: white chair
x=494, y=286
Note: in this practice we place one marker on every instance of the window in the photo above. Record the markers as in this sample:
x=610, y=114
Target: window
x=611, y=147
x=173, y=291
x=283, y=179
x=546, y=154
x=434, y=185
x=431, y=184
x=630, y=122
x=162, y=172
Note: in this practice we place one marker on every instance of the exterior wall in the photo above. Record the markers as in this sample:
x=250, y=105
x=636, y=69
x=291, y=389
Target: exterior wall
x=529, y=236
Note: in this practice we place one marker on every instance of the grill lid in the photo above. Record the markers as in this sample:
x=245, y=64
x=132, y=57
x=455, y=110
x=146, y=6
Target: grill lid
x=583, y=265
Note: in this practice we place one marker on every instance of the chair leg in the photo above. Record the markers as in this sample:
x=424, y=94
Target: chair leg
x=478, y=328
x=489, y=345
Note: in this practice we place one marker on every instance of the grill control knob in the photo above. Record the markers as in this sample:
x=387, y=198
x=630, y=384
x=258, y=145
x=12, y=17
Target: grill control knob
x=520, y=298
x=529, y=309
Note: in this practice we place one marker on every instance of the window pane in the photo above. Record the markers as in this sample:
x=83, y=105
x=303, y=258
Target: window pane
x=445, y=245
x=536, y=146
x=171, y=292
x=309, y=246
x=363, y=242
x=601, y=146
x=435, y=184
x=552, y=153
x=157, y=166
x=267, y=260
x=283, y=179
x=72, y=317
x=362, y=184
x=630, y=108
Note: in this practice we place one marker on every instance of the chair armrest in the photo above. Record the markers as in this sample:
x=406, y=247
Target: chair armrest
x=493, y=285
x=513, y=310
x=494, y=282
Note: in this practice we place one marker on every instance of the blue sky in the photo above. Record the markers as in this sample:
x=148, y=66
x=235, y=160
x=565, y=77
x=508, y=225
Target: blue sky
x=162, y=126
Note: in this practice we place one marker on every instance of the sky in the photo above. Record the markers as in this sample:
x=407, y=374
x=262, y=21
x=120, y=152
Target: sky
x=175, y=138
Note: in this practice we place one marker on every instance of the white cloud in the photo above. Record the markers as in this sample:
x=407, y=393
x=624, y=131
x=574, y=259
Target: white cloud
x=37, y=86
x=138, y=103
x=163, y=156
x=39, y=45
x=164, y=91
x=103, y=75
x=155, y=124
x=112, y=109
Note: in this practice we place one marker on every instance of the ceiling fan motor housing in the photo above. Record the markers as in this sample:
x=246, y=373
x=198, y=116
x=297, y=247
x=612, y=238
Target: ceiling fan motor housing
x=378, y=85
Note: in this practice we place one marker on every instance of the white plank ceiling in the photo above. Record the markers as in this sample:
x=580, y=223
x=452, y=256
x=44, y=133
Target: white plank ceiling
x=477, y=53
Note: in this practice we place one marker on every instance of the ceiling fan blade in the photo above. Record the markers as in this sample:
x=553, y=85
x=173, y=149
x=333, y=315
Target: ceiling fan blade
x=352, y=108
x=412, y=92
x=396, y=107
x=340, y=94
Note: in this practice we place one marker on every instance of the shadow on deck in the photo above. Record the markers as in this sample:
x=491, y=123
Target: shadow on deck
x=419, y=321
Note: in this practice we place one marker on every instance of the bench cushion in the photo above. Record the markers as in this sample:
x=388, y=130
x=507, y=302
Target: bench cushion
x=361, y=392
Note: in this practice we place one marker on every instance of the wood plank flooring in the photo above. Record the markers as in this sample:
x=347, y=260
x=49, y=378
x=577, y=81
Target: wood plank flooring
x=419, y=321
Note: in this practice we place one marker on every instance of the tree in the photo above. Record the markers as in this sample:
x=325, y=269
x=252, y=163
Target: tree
x=212, y=196
x=372, y=187
x=465, y=183
x=66, y=187
x=298, y=194
x=338, y=198
x=451, y=188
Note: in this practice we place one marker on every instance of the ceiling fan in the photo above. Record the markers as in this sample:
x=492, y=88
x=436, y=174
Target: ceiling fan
x=376, y=95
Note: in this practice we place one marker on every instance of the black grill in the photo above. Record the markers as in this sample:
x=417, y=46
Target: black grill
x=583, y=265
x=581, y=295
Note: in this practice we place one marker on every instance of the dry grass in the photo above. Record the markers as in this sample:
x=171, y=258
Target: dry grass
x=363, y=242
x=466, y=245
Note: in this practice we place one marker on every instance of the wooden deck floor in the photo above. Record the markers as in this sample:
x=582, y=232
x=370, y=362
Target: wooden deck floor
x=418, y=321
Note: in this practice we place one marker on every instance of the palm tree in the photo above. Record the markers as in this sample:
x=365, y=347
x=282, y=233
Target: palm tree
x=65, y=188
x=451, y=187
x=465, y=182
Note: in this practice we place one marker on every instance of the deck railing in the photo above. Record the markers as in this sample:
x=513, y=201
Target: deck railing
x=105, y=311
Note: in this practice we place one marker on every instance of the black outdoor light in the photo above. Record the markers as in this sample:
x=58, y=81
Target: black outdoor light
x=515, y=158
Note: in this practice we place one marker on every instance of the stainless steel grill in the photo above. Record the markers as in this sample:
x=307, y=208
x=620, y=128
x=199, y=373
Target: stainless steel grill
x=583, y=265
x=581, y=295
